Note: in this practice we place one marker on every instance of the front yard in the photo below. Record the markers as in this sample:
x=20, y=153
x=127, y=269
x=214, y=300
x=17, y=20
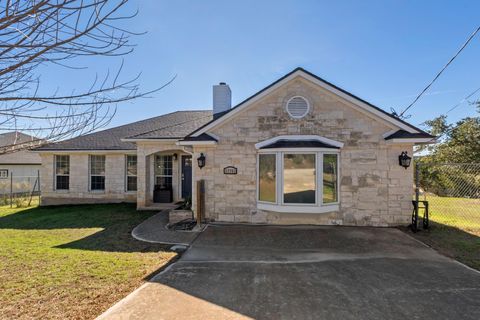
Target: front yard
x=72, y=261
x=455, y=229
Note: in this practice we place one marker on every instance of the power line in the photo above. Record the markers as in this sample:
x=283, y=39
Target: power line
x=441, y=71
x=462, y=101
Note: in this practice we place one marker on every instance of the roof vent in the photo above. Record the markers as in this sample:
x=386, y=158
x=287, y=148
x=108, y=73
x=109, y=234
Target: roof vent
x=297, y=107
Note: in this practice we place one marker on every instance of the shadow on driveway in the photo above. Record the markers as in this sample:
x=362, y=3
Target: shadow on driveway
x=234, y=272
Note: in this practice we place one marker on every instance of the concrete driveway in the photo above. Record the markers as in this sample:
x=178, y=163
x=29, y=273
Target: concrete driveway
x=241, y=272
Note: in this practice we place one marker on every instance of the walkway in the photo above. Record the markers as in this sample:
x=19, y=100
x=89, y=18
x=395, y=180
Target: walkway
x=154, y=230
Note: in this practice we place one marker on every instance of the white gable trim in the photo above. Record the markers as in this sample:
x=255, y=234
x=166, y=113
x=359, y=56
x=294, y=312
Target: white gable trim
x=356, y=104
x=299, y=138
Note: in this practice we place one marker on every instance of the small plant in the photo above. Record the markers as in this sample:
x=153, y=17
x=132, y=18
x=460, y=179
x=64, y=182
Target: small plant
x=187, y=203
x=4, y=201
x=21, y=202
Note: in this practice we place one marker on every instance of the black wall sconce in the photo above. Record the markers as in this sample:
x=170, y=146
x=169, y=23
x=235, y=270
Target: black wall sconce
x=404, y=160
x=201, y=161
x=175, y=156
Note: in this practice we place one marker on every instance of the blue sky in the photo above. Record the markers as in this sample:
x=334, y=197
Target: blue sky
x=383, y=51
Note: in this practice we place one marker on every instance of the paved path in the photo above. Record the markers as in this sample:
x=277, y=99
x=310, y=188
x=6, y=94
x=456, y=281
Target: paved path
x=241, y=272
x=154, y=230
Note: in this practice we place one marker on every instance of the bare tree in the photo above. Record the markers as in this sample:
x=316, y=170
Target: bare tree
x=35, y=33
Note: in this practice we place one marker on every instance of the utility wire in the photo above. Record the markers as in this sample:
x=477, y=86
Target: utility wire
x=462, y=101
x=451, y=109
x=441, y=71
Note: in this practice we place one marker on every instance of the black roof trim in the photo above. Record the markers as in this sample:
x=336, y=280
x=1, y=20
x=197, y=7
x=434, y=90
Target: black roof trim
x=402, y=134
x=298, y=144
x=202, y=137
x=221, y=115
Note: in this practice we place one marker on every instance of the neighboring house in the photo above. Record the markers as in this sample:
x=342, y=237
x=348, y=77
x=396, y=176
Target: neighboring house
x=17, y=163
x=15, y=158
x=300, y=151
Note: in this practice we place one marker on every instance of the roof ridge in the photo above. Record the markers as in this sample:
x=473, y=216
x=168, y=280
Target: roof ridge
x=165, y=127
x=137, y=122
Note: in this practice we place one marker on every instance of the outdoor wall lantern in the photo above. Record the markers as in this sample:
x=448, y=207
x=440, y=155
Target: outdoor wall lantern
x=175, y=156
x=404, y=160
x=201, y=161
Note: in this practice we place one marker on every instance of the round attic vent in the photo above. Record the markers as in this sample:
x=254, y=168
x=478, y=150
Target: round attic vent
x=297, y=107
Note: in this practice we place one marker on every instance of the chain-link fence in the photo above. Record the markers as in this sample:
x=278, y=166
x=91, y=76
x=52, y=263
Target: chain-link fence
x=452, y=192
x=19, y=191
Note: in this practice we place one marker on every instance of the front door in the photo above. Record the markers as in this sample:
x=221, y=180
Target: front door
x=186, y=177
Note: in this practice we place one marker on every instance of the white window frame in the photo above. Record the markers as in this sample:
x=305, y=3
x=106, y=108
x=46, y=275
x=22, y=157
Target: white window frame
x=56, y=175
x=127, y=175
x=258, y=178
x=155, y=168
x=279, y=206
x=96, y=175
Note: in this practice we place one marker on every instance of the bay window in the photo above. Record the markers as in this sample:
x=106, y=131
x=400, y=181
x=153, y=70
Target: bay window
x=267, y=180
x=299, y=178
x=330, y=176
x=298, y=181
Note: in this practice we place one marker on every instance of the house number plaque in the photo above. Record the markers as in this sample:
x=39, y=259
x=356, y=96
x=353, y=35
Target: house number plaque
x=229, y=170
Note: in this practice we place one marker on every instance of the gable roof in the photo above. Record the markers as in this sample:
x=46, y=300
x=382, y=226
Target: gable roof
x=172, y=125
x=362, y=104
x=14, y=138
x=176, y=130
x=8, y=143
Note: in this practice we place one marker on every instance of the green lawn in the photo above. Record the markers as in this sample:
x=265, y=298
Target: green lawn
x=72, y=261
x=455, y=228
x=456, y=212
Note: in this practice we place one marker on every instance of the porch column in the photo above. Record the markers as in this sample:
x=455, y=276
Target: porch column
x=141, y=180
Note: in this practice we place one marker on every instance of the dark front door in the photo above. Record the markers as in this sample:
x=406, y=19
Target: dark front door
x=186, y=176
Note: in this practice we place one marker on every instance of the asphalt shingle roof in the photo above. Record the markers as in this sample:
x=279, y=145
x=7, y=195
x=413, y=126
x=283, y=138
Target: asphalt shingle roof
x=9, y=142
x=172, y=125
x=402, y=134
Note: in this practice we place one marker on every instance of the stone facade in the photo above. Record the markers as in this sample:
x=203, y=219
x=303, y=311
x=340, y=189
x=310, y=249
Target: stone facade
x=78, y=193
x=374, y=189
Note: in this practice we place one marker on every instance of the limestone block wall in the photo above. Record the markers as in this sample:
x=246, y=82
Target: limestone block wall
x=78, y=193
x=374, y=189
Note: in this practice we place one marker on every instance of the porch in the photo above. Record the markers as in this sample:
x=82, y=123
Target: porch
x=164, y=176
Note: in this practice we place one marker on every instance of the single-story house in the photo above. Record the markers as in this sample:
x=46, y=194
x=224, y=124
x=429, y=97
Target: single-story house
x=300, y=151
x=18, y=165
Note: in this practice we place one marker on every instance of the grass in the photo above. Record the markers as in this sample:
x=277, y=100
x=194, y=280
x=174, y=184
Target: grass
x=71, y=261
x=455, y=228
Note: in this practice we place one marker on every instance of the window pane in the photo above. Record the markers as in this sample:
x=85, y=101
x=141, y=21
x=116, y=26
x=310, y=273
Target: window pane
x=97, y=165
x=131, y=183
x=62, y=165
x=63, y=182
x=330, y=183
x=267, y=177
x=163, y=165
x=97, y=183
x=299, y=178
x=131, y=165
x=164, y=182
